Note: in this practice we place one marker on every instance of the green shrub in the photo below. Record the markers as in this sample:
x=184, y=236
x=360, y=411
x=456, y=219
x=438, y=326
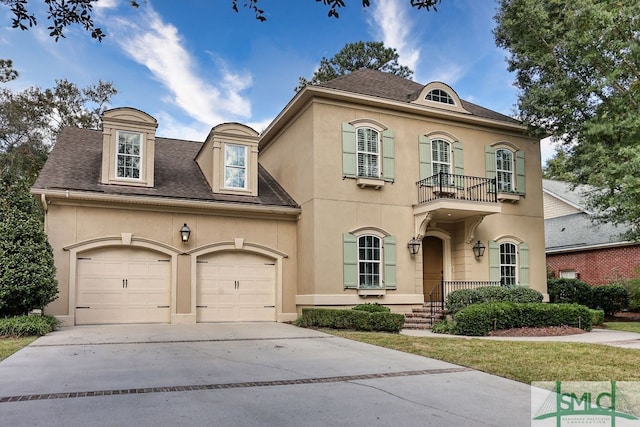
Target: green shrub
x=480, y=319
x=522, y=294
x=457, y=300
x=443, y=326
x=27, y=271
x=609, y=298
x=569, y=291
x=372, y=308
x=597, y=317
x=350, y=319
x=22, y=326
x=633, y=288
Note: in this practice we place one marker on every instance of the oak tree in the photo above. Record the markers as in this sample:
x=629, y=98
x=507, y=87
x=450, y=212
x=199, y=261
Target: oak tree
x=577, y=65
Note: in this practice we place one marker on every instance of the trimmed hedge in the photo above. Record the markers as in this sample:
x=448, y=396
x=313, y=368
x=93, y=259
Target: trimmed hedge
x=359, y=320
x=457, y=300
x=480, y=319
x=23, y=326
x=372, y=308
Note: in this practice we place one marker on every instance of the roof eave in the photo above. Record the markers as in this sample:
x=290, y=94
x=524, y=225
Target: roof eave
x=311, y=91
x=48, y=195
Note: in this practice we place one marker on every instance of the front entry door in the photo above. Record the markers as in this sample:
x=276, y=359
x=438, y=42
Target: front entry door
x=432, y=262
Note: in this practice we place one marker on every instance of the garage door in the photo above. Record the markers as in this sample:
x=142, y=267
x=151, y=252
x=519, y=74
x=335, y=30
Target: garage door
x=123, y=285
x=235, y=286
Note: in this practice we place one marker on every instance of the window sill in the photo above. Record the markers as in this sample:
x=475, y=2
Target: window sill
x=372, y=292
x=376, y=183
x=508, y=197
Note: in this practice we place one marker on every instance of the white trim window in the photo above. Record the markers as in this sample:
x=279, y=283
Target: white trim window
x=368, y=152
x=508, y=264
x=504, y=170
x=440, y=156
x=441, y=96
x=369, y=261
x=235, y=166
x=129, y=155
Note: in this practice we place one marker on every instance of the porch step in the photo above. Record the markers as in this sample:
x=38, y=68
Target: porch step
x=423, y=317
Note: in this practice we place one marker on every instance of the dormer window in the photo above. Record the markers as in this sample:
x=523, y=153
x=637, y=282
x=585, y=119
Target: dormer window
x=129, y=155
x=235, y=166
x=439, y=95
x=229, y=159
x=128, y=147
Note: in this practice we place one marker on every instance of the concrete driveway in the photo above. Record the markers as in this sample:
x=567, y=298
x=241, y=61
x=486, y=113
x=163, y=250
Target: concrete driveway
x=242, y=374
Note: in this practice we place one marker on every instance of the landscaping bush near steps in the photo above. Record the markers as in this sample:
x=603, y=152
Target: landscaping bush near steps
x=480, y=319
x=357, y=319
x=457, y=300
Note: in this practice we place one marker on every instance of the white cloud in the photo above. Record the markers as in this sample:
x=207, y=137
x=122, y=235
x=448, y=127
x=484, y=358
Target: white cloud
x=392, y=24
x=159, y=47
x=106, y=4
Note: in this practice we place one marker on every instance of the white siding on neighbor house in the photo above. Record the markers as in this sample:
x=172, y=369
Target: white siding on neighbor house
x=554, y=207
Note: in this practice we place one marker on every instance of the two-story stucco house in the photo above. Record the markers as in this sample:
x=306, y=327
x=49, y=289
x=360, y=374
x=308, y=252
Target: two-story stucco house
x=368, y=188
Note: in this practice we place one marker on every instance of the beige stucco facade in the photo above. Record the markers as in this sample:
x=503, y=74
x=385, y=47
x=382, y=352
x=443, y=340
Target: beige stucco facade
x=305, y=155
x=285, y=236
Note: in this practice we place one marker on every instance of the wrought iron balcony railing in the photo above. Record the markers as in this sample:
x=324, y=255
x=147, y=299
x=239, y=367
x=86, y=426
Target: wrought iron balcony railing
x=460, y=187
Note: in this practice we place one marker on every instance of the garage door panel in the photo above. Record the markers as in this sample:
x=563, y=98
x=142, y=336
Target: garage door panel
x=123, y=286
x=235, y=286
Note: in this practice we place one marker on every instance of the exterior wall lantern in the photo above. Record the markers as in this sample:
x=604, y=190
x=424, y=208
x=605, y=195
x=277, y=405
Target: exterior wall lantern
x=478, y=249
x=413, y=245
x=185, y=232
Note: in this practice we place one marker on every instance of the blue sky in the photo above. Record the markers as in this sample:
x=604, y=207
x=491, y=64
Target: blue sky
x=194, y=64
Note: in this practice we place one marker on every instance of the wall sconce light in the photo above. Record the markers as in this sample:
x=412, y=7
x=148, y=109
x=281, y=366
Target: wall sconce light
x=185, y=232
x=478, y=249
x=413, y=245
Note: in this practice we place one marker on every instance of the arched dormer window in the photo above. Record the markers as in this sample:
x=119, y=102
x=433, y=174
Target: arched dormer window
x=439, y=95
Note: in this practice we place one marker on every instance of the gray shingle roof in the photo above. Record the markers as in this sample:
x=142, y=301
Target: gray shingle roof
x=578, y=230
x=389, y=86
x=76, y=160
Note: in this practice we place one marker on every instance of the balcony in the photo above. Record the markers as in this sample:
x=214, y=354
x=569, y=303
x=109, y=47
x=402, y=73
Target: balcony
x=456, y=197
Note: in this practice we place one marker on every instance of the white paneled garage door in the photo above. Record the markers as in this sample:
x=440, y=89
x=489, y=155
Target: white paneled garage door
x=235, y=286
x=123, y=285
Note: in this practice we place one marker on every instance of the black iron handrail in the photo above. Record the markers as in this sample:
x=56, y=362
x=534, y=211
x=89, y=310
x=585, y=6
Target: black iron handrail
x=461, y=187
x=439, y=292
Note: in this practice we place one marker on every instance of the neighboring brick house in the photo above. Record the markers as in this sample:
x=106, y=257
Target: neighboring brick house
x=321, y=209
x=576, y=247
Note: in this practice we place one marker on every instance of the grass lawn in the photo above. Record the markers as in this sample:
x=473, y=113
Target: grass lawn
x=517, y=360
x=8, y=346
x=624, y=326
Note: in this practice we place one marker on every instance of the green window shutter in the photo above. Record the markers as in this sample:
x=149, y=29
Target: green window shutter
x=424, y=154
x=520, y=181
x=494, y=261
x=490, y=162
x=388, y=160
x=389, y=262
x=349, y=151
x=458, y=159
x=350, y=260
x=523, y=260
